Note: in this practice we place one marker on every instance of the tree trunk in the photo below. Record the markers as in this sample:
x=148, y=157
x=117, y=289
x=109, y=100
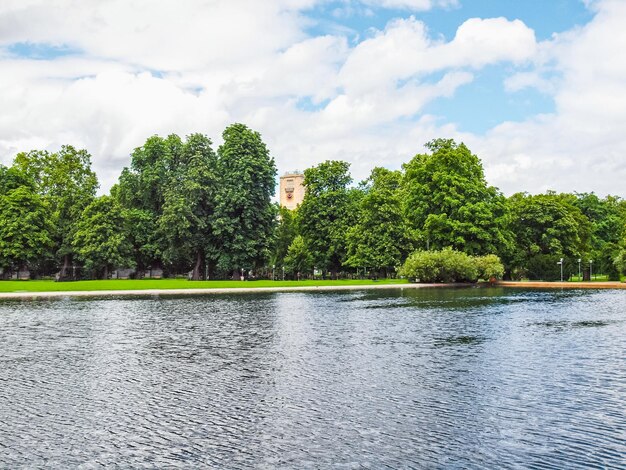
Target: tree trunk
x=195, y=276
x=106, y=272
x=66, y=266
x=236, y=275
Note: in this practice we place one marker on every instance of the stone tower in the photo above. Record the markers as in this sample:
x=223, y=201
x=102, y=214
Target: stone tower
x=291, y=189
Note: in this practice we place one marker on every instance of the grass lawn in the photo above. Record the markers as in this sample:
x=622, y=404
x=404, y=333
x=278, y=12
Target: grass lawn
x=143, y=284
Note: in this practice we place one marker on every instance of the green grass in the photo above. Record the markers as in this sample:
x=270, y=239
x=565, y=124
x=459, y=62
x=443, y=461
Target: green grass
x=145, y=284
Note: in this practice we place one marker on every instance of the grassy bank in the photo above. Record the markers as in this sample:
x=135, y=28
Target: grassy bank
x=146, y=284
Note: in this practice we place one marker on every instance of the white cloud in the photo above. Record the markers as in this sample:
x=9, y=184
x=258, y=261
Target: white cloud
x=581, y=146
x=196, y=66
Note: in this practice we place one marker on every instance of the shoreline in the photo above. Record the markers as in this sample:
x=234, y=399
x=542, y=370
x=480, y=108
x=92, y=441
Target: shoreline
x=323, y=288
x=562, y=285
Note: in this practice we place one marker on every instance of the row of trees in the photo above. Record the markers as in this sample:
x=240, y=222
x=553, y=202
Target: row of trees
x=181, y=206
x=441, y=200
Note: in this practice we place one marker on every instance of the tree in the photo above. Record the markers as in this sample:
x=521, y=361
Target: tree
x=448, y=203
x=327, y=211
x=100, y=240
x=244, y=214
x=25, y=229
x=12, y=178
x=298, y=259
x=142, y=190
x=188, y=205
x=607, y=224
x=66, y=182
x=285, y=234
x=380, y=238
x=547, y=227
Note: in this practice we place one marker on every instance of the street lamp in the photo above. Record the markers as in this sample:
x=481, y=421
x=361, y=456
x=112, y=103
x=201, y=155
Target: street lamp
x=561, y=263
x=273, y=267
x=579, y=277
x=590, y=269
x=283, y=273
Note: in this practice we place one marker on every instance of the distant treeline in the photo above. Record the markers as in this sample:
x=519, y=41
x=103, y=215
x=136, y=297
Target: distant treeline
x=183, y=207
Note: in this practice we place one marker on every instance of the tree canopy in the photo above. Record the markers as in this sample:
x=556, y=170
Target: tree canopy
x=449, y=204
x=327, y=212
x=180, y=207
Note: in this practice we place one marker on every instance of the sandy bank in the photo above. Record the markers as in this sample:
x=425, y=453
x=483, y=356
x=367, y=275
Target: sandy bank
x=563, y=285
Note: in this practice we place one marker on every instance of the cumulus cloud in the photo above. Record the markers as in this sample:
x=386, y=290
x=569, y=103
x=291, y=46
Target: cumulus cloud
x=581, y=146
x=128, y=70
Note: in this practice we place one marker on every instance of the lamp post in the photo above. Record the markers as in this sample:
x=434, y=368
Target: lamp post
x=590, y=269
x=579, y=276
x=273, y=268
x=561, y=263
x=283, y=273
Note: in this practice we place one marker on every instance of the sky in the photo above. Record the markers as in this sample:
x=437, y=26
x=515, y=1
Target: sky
x=535, y=88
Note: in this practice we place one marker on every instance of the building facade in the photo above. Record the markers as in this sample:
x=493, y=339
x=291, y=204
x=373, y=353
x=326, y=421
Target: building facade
x=291, y=189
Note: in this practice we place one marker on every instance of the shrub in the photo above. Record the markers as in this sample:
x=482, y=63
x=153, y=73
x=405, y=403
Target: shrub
x=446, y=265
x=489, y=266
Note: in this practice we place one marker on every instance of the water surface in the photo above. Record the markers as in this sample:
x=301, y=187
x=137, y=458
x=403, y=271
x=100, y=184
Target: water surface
x=467, y=378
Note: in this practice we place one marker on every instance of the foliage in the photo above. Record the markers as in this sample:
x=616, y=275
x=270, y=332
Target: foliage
x=188, y=205
x=327, y=212
x=546, y=267
x=24, y=229
x=284, y=235
x=447, y=201
x=446, y=265
x=619, y=262
x=548, y=225
x=245, y=217
x=298, y=259
x=142, y=191
x=607, y=219
x=67, y=184
x=100, y=240
x=380, y=238
x=489, y=266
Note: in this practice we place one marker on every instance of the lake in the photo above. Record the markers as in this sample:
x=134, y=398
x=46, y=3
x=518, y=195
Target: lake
x=411, y=378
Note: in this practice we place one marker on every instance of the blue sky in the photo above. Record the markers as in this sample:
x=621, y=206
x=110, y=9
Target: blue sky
x=484, y=103
x=535, y=88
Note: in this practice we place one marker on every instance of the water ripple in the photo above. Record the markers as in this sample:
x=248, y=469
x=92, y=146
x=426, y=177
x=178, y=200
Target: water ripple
x=470, y=378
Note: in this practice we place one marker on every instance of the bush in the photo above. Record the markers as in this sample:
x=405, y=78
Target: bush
x=446, y=265
x=489, y=266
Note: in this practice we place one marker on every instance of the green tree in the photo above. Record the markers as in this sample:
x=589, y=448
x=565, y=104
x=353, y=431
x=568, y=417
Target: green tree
x=245, y=217
x=448, y=202
x=547, y=227
x=66, y=182
x=100, y=241
x=380, y=238
x=608, y=222
x=12, y=178
x=25, y=229
x=142, y=190
x=298, y=259
x=189, y=205
x=285, y=234
x=327, y=211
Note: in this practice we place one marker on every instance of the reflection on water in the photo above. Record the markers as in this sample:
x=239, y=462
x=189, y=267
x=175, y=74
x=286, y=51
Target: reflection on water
x=467, y=378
